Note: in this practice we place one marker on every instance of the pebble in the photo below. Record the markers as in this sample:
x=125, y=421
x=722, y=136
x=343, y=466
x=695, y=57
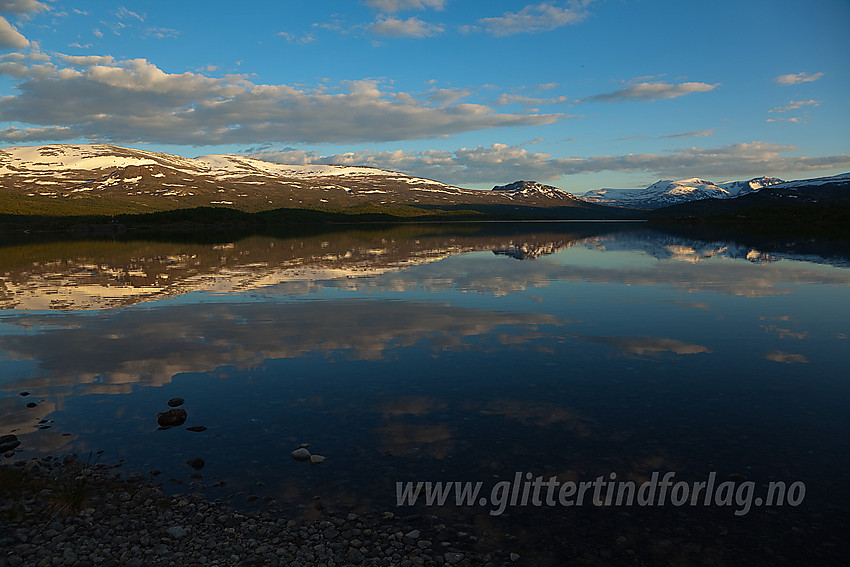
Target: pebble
x=171, y=418
x=134, y=523
x=8, y=442
x=301, y=454
x=176, y=532
x=354, y=556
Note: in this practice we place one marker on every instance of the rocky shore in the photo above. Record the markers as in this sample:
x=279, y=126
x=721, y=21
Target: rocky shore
x=70, y=512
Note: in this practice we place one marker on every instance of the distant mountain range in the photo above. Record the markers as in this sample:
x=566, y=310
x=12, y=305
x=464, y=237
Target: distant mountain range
x=102, y=179
x=64, y=179
x=666, y=192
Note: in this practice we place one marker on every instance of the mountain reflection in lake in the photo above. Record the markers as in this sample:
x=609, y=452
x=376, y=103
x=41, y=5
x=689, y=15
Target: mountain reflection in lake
x=454, y=353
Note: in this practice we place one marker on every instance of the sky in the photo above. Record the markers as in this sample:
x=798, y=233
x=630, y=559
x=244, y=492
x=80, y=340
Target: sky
x=583, y=94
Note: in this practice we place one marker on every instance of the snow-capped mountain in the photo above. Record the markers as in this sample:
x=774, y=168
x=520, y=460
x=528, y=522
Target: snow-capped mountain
x=660, y=194
x=533, y=189
x=739, y=188
x=66, y=179
x=816, y=182
x=668, y=192
x=79, y=179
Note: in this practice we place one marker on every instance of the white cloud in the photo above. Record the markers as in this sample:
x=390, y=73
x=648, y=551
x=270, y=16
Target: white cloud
x=534, y=18
x=161, y=33
x=392, y=6
x=11, y=37
x=15, y=135
x=87, y=60
x=124, y=14
x=132, y=100
x=546, y=86
x=499, y=163
x=505, y=99
x=694, y=134
x=299, y=39
x=795, y=104
x=797, y=78
x=446, y=97
x=411, y=27
x=21, y=6
x=795, y=120
x=652, y=91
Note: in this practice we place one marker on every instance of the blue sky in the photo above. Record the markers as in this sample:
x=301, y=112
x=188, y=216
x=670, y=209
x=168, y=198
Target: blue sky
x=582, y=94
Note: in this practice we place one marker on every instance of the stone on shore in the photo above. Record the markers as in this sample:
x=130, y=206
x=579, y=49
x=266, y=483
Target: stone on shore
x=8, y=443
x=132, y=522
x=176, y=532
x=301, y=454
x=171, y=418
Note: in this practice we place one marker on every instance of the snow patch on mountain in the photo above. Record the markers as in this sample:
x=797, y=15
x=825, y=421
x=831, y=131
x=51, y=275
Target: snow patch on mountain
x=229, y=165
x=86, y=157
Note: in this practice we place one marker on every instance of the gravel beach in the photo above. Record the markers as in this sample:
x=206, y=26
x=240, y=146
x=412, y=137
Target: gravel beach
x=69, y=512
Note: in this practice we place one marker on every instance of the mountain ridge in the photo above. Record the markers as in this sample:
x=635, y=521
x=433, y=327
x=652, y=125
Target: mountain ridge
x=101, y=179
x=69, y=179
x=667, y=192
x=534, y=188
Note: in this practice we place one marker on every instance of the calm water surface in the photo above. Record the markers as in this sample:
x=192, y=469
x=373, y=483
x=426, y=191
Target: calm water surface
x=455, y=353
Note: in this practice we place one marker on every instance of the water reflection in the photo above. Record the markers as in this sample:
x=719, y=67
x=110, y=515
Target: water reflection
x=650, y=345
x=97, y=275
x=448, y=353
x=112, y=352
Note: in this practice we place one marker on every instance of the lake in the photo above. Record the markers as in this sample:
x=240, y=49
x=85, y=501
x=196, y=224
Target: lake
x=542, y=360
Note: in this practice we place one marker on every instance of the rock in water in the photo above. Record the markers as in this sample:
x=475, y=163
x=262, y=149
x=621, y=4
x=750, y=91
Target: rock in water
x=316, y=459
x=301, y=454
x=175, y=402
x=197, y=463
x=10, y=442
x=171, y=418
x=196, y=428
